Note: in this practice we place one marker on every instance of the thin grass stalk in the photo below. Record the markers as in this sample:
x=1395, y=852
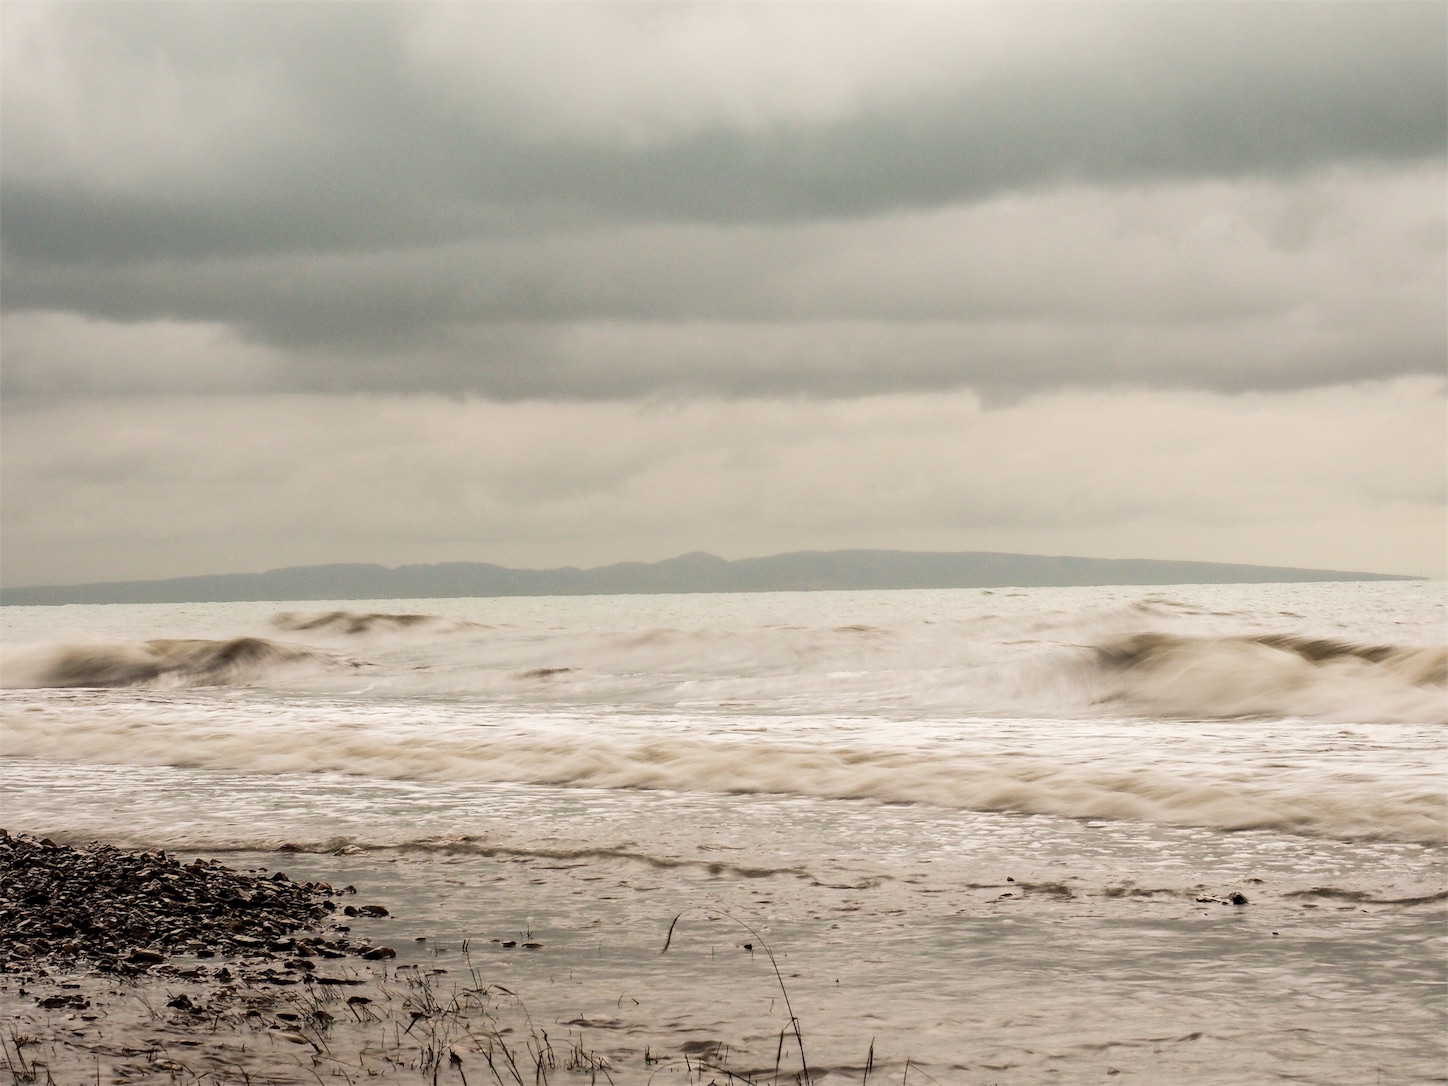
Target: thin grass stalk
x=778, y=976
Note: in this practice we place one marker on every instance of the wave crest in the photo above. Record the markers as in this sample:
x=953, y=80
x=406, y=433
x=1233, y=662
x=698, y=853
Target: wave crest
x=191, y=662
x=351, y=623
x=1407, y=807
x=1255, y=675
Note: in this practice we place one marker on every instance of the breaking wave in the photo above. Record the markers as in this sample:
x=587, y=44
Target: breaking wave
x=1420, y=666
x=357, y=623
x=1072, y=782
x=1274, y=674
x=237, y=660
x=1122, y=661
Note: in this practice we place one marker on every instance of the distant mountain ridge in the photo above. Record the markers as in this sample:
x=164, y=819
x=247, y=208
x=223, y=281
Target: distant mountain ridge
x=695, y=572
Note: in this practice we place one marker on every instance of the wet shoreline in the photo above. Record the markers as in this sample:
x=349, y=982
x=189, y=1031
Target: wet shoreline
x=130, y=966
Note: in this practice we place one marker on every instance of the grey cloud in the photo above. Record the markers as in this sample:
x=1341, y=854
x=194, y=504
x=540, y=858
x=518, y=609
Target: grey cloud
x=1002, y=360
x=362, y=150
x=1223, y=287
x=351, y=220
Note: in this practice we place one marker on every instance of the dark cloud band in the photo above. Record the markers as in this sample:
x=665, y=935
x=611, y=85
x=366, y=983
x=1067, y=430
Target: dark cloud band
x=374, y=227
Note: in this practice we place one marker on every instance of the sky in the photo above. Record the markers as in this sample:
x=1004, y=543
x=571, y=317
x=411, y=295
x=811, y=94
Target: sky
x=542, y=285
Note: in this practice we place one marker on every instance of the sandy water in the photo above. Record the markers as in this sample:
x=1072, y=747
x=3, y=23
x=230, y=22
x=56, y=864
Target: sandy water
x=990, y=833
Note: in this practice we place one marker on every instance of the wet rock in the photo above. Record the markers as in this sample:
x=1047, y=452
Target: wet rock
x=57, y=1002
x=1237, y=899
x=125, y=912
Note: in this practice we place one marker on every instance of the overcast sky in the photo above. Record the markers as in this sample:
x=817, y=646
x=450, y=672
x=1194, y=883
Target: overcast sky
x=556, y=284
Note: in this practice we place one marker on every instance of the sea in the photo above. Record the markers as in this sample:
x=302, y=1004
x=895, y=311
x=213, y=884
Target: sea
x=1045, y=835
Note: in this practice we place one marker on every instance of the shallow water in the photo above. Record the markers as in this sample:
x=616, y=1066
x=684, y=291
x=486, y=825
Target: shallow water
x=967, y=832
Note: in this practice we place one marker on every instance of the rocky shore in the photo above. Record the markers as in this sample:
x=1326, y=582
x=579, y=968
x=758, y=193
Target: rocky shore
x=109, y=911
x=124, y=968
x=133, y=967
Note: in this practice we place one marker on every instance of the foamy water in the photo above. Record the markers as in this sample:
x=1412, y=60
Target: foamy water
x=1027, y=805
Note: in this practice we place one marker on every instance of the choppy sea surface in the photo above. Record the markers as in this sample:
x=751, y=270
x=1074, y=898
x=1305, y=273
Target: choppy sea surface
x=995, y=833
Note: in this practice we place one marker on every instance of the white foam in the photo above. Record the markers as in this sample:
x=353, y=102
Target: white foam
x=1386, y=797
x=1310, y=708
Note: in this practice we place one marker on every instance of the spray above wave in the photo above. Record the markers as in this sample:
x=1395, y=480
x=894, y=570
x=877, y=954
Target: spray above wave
x=191, y=662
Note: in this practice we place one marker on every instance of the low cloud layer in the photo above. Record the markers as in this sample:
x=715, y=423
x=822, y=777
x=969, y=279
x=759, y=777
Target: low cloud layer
x=1334, y=478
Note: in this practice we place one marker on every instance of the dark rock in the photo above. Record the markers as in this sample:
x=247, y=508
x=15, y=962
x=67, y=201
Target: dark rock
x=56, y=1002
x=123, y=912
x=1237, y=899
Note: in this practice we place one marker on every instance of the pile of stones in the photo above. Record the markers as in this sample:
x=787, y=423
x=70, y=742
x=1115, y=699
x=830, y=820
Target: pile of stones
x=125, y=912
